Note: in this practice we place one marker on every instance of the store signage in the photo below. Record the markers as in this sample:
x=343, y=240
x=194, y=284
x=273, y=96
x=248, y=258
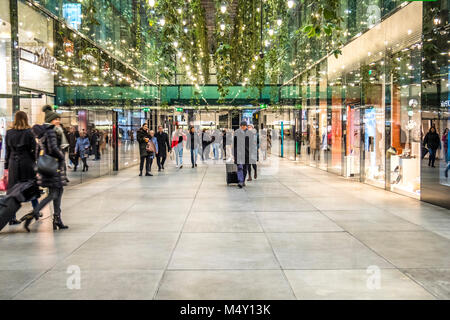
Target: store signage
x=146, y=109
x=263, y=106
x=68, y=46
x=179, y=109
x=445, y=103
x=39, y=56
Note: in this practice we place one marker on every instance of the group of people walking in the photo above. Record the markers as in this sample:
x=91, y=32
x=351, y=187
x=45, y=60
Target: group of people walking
x=432, y=143
x=199, y=144
x=24, y=147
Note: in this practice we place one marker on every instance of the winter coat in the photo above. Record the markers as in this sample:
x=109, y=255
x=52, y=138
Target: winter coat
x=49, y=140
x=432, y=140
x=163, y=143
x=82, y=147
x=72, y=138
x=141, y=135
x=20, y=156
x=241, y=137
x=193, y=144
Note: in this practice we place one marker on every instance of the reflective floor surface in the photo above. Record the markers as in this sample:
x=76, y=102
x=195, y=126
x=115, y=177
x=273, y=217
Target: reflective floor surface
x=294, y=233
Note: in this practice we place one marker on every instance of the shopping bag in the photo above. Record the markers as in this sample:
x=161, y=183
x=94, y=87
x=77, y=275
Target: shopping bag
x=4, y=181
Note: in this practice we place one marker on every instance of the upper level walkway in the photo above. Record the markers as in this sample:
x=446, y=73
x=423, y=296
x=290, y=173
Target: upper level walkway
x=294, y=233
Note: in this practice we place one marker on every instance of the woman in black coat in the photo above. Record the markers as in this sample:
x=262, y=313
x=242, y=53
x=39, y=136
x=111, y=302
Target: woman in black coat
x=50, y=144
x=20, y=154
x=433, y=143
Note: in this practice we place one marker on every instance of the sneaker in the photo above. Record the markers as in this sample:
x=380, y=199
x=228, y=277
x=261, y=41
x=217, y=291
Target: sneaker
x=181, y=167
x=240, y=186
x=196, y=165
x=148, y=174
x=249, y=178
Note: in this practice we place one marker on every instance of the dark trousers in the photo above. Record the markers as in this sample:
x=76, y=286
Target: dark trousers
x=249, y=168
x=432, y=157
x=147, y=160
x=242, y=172
x=84, y=163
x=55, y=195
x=160, y=160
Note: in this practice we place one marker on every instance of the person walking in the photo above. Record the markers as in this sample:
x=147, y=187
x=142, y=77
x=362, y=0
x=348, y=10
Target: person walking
x=49, y=143
x=20, y=155
x=193, y=144
x=177, y=144
x=163, y=147
x=254, y=157
x=206, y=141
x=152, y=149
x=433, y=143
x=82, y=149
x=242, y=152
x=72, y=138
x=143, y=137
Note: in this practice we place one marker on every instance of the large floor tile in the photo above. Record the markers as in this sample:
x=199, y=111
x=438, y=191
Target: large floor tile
x=305, y=221
x=119, y=251
x=220, y=221
x=354, y=285
x=95, y=285
x=280, y=204
x=38, y=250
x=223, y=251
x=225, y=285
x=13, y=281
x=415, y=249
x=331, y=202
x=370, y=220
x=150, y=221
x=332, y=250
x=436, y=281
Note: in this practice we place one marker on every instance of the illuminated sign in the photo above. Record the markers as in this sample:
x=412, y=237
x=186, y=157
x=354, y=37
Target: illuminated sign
x=39, y=56
x=72, y=14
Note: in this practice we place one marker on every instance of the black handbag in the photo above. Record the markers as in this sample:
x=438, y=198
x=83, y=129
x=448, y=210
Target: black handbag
x=47, y=165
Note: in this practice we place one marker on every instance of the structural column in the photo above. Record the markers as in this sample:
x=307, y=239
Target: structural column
x=13, y=9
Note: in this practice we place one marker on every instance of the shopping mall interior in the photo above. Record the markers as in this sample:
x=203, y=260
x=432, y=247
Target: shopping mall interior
x=343, y=95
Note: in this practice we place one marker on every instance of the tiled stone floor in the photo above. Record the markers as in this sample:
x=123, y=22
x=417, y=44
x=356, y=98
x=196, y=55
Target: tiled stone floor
x=294, y=233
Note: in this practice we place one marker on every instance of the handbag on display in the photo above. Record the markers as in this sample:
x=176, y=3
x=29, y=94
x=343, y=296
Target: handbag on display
x=4, y=181
x=46, y=165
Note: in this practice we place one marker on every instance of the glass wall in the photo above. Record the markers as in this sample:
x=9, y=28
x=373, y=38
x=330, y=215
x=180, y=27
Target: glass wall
x=5, y=77
x=435, y=100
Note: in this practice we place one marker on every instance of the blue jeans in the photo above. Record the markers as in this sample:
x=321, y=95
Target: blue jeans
x=242, y=173
x=216, y=151
x=179, y=154
x=194, y=154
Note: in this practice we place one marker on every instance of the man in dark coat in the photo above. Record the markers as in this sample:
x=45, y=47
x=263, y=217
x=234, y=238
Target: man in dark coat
x=242, y=152
x=164, y=146
x=143, y=136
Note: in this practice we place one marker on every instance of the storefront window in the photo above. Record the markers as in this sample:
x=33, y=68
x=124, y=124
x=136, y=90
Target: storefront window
x=405, y=150
x=336, y=134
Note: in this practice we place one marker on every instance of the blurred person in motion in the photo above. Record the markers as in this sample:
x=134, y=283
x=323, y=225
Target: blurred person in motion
x=178, y=138
x=20, y=155
x=82, y=149
x=433, y=143
x=193, y=143
x=143, y=137
x=152, y=149
x=254, y=157
x=49, y=143
x=72, y=138
x=242, y=152
x=163, y=147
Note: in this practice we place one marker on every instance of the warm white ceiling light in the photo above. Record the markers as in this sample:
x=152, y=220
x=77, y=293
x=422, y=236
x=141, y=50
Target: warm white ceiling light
x=151, y=3
x=223, y=8
x=270, y=32
x=222, y=27
x=179, y=10
x=175, y=44
x=162, y=22
x=290, y=4
x=279, y=22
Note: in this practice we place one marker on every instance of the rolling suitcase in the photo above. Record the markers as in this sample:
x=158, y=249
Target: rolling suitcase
x=232, y=173
x=8, y=207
